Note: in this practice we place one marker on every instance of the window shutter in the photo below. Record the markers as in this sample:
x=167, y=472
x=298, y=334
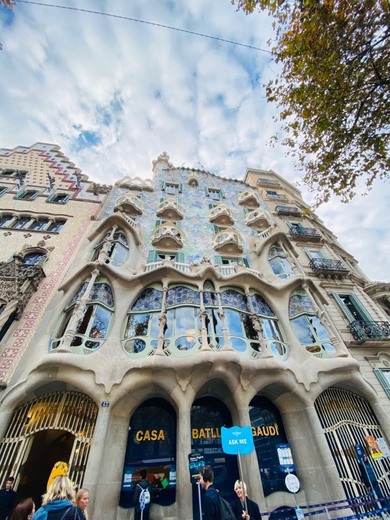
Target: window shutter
x=344, y=308
x=180, y=257
x=152, y=256
x=383, y=381
x=206, y=190
x=217, y=260
x=360, y=307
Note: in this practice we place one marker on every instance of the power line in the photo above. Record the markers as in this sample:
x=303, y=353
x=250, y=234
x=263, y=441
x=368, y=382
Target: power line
x=129, y=18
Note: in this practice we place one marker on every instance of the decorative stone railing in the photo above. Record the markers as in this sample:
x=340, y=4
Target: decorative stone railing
x=129, y=203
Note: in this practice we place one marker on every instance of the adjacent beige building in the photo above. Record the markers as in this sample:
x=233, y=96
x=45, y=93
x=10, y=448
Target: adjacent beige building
x=164, y=309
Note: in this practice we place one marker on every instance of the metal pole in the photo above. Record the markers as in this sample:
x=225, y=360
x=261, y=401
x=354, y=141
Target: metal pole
x=200, y=501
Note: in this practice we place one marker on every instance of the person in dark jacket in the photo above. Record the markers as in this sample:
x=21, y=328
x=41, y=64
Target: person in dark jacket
x=57, y=503
x=243, y=507
x=141, y=484
x=211, y=507
x=7, y=498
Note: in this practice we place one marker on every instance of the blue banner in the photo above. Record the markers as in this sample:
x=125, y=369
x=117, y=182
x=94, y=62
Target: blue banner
x=236, y=440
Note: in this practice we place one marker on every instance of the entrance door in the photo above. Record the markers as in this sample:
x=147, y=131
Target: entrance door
x=208, y=415
x=47, y=448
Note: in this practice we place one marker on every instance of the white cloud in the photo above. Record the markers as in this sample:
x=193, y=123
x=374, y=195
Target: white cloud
x=115, y=93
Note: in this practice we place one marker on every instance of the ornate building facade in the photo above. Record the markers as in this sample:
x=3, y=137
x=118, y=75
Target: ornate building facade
x=167, y=308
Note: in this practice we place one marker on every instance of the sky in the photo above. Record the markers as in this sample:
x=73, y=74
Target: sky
x=115, y=90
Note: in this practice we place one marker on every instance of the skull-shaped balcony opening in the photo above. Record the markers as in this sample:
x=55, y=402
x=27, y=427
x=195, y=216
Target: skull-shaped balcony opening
x=258, y=220
x=167, y=236
x=170, y=209
x=221, y=215
x=249, y=199
x=228, y=241
x=129, y=204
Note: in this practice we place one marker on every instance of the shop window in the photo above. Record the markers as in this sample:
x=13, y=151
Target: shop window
x=278, y=261
x=308, y=327
x=92, y=327
x=151, y=445
x=116, y=248
x=273, y=453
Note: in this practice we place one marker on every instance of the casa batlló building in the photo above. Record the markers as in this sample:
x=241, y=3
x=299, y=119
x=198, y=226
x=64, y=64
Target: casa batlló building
x=161, y=310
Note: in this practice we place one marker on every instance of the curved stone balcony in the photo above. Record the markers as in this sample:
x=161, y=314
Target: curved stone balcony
x=221, y=215
x=129, y=204
x=249, y=199
x=168, y=236
x=257, y=219
x=170, y=209
x=228, y=241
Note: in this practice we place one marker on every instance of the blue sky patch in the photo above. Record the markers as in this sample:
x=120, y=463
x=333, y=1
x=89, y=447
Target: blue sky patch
x=86, y=139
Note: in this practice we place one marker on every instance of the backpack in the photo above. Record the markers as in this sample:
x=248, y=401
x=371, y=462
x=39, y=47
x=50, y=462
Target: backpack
x=226, y=512
x=144, y=497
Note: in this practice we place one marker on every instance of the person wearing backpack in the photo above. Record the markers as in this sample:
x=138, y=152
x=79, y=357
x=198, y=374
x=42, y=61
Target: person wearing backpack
x=211, y=504
x=142, y=497
x=215, y=507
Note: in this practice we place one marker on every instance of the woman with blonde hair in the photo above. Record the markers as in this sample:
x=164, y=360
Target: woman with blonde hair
x=57, y=503
x=81, y=501
x=24, y=510
x=243, y=507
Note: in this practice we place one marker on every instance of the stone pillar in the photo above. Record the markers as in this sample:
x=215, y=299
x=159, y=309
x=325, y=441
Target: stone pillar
x=183, y=449
x=316, y=468
x=108, y=446
x=250, y=466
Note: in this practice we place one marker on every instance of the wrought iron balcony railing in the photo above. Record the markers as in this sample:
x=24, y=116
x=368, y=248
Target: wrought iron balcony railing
x=287, y=210
x=365, y=330
x=328, y=266
x=268, y=183
x=305, y=233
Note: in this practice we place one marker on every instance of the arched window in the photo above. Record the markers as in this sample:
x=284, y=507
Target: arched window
x=142, y=326
x=278, y=261
x=183, y=324
x=151, y=444
x=273, y=453
x=187, y=317
x=308, y=327
x=115, y=246
x=34, y=258
x=87, y=318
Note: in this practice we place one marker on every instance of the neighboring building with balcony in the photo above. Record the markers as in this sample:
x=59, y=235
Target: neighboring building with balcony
x=191, y=302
